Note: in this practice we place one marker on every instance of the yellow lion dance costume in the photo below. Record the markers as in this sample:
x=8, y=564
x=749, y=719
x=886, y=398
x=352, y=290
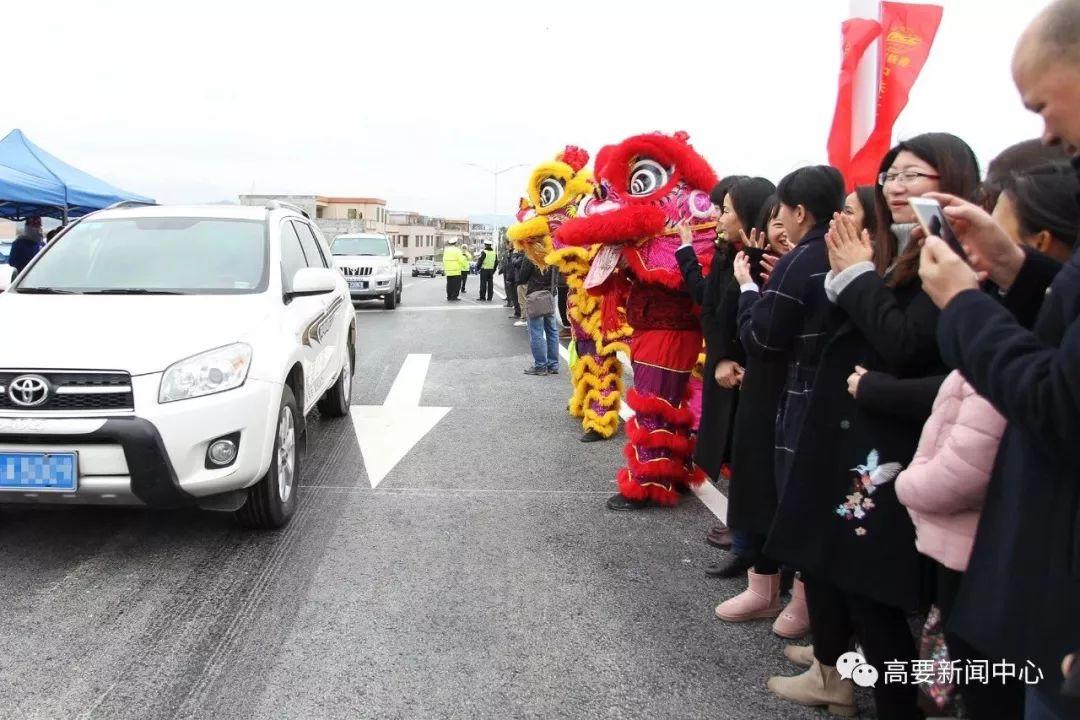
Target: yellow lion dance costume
x=555, y=190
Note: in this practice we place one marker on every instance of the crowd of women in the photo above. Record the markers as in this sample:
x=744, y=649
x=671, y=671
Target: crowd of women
x=897, y=421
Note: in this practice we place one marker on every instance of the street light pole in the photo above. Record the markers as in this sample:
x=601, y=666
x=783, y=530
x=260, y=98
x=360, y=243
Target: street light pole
x=495, y=173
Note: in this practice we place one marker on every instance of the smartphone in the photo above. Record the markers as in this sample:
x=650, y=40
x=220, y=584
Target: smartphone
x=930, y=216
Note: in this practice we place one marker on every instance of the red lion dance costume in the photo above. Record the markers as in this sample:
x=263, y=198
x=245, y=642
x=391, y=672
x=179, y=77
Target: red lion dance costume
x=649, y=184
x=556, y=188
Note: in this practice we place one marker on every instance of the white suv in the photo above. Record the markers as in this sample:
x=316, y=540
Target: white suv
x=369, y=264
x=168, y=356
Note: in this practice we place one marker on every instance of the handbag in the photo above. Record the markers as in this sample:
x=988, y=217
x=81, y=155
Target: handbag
x=541, y=302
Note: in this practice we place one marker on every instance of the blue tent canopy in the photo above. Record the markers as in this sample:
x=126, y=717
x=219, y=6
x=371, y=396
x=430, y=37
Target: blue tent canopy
x=33, y=182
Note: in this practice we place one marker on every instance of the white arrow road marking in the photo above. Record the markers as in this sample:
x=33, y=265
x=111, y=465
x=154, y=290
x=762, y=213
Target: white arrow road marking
x=388, y=432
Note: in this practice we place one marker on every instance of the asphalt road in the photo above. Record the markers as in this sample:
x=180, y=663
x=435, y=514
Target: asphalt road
x=481, y=578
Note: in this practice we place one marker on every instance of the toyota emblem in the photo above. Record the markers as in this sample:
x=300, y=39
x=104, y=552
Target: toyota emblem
x=29, y=391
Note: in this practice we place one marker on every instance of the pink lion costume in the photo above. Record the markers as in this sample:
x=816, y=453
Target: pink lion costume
x=649, y=184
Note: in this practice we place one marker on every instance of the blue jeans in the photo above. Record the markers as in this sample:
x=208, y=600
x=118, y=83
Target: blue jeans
x=544, y=356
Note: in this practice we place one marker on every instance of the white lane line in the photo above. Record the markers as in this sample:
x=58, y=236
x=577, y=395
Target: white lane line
x=409, y=383
x=421, y=491
x=713, y=499
x=431, y=308
x=407, y=286
x=707, y=493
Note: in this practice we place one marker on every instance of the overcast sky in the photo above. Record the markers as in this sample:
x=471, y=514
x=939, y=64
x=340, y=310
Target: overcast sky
x=391, y=99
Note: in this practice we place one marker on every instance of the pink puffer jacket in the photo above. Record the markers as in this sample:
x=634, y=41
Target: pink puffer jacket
x=945, y=484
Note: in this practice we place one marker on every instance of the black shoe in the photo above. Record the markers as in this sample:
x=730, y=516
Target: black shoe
x=734, y=566
x=684, y=489
x=553, y=371
x=536, y=371
x=719, y=536
x=619, y=502
x=592, y=436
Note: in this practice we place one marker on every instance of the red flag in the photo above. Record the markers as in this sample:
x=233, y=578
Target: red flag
x=908, y=33
x=858, y=34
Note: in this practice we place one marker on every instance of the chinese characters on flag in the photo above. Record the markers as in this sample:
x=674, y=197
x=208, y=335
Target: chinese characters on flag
x=906, y=32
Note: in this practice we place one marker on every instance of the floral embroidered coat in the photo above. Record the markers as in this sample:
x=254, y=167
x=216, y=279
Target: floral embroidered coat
x=839, y=519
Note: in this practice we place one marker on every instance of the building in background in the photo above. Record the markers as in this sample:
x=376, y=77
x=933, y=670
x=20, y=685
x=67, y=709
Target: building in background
x=334, y=215
x=416, y=236
x=479, y=233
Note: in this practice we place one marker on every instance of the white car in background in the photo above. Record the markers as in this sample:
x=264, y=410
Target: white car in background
x=168, y=356
x=371, y=268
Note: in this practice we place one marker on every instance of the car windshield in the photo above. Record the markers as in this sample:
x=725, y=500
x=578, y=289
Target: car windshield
x=154, y=255
x=424, y=263
x=361, y=246
x=5, y=252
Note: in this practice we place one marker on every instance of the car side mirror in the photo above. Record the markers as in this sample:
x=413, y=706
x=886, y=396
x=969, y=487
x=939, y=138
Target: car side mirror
x=399, y=256
x=313, y=281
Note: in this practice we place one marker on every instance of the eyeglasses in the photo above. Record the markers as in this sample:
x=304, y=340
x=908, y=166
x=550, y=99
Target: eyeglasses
x=907, y=177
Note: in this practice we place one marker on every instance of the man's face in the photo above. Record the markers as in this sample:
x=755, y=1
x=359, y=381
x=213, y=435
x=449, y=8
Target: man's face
x=1050, y=87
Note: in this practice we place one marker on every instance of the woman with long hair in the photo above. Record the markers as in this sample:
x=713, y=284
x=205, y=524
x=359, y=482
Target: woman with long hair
x=839, y=520
x=741, y=202
x=752, y=494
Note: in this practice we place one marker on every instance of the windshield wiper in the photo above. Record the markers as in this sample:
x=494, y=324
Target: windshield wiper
x=132, y=291
x=44, y=291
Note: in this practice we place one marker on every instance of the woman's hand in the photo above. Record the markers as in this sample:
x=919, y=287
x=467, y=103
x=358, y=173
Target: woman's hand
x=989, y=248
x=728, y=374
x=742, y=269
x=847, y=246
x=768, y=264
x=853, y=380
x=757, y=238
x=686, y=235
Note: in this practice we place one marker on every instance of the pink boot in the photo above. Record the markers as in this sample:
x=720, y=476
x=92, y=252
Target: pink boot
x=794, y=621
x=760, y=600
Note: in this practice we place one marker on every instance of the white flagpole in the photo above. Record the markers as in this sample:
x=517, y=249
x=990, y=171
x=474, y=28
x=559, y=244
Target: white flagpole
x=864, y=99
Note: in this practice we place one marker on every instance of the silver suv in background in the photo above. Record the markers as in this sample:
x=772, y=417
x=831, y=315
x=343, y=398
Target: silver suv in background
x=368, y=262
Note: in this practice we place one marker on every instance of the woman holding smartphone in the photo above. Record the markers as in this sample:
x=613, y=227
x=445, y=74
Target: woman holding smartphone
x=839, y=521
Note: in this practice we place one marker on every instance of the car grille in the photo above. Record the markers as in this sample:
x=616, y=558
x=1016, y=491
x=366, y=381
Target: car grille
x=74, y=391
x=355, y=272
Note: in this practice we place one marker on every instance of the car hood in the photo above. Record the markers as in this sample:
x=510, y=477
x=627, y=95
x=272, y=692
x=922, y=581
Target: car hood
x=139, y=335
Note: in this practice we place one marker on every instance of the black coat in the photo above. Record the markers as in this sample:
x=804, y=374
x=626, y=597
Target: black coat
x=791, y=319
x=752, y=496
x=1020, y=597
x=534, y=279
x=830, y=524
x=718, y=295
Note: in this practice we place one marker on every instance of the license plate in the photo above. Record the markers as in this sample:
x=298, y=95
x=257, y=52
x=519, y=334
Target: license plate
x=358, y=284
x=46, y=472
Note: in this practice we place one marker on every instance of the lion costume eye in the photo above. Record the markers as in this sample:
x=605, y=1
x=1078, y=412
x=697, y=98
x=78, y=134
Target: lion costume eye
x=551, y=191
x=646, y=177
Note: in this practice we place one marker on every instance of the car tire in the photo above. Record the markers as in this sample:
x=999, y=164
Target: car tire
x=272, y=501
x=390, y=301
x=335, y=403
x=400, y=290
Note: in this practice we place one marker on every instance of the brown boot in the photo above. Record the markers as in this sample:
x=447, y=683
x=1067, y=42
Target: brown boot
x=819, y=686
x=801, y=655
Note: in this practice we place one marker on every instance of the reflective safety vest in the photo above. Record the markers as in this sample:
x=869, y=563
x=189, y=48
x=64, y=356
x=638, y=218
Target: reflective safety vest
x=489, y=259
x=453, y=261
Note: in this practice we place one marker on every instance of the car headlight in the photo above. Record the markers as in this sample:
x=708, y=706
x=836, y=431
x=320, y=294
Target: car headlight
x=211, y=372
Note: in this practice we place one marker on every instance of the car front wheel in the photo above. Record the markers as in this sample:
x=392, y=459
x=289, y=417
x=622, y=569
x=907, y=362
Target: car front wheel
x=271, y=502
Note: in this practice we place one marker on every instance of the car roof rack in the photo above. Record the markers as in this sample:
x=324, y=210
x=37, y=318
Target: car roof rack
x=279, y=205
